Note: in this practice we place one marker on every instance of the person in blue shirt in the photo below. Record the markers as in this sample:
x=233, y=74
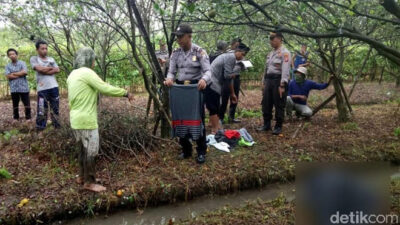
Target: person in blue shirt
x=300, y=58
x=299, y=88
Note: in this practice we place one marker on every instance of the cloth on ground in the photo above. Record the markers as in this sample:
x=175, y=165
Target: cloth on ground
x=246, y=136
x=220, y=137
x=243, y=142
x=186, y=103
x=210, y=139
x=223, y=146
x=232, y=134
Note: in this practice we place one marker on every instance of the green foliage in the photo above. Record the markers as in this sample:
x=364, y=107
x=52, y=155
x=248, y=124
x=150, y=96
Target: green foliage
x=5, y=174
x=8, y=134
x=397, y=132
x=244, y=113
x=305, y=158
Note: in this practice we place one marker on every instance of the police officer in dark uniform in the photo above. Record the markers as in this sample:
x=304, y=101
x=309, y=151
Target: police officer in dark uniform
x=275, y=82
x=225, y=95
x=192, y=64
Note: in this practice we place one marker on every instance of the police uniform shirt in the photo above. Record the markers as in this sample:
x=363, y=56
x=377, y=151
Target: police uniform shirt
x=162, y=55
x=278, y=62
x=223, y=68
x=191, y=65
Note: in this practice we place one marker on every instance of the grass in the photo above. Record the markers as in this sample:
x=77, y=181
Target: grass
x=277, y=211
x=7, y=135
x=397, y=132
x=350, y=126
x=5, y=174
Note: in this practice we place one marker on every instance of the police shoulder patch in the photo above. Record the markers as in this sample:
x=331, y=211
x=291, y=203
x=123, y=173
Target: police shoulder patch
x=202, y=52
x=286, y=56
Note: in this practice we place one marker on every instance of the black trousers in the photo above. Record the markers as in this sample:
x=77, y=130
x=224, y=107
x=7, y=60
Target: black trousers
x=225, y=97
x=24, y=97
x=272, y=99
x=201, y=145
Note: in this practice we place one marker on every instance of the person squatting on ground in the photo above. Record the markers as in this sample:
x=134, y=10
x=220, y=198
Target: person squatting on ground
x=16, y=72
x=47, y=86
x=191, y=63
x=83, y=88
x=224, y=70
x=299, y=88
x=275, y=80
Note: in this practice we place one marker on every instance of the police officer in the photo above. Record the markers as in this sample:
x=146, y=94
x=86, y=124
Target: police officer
x=163, y=56
x=192, y=64
x=221, y=48
x=275, y=81
x=225, y=95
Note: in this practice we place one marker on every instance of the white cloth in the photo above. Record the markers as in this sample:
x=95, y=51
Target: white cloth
x=222, y=146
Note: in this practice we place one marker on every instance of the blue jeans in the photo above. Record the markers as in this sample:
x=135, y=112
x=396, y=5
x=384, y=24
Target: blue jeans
x=45, y=98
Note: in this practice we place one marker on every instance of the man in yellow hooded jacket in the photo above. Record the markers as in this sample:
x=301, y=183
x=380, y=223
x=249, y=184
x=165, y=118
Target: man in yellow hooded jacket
x=83, y=88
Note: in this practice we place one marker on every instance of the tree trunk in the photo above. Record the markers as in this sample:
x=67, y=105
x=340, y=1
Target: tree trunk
x=343, y=113
x=156, y=70
x=380, y=78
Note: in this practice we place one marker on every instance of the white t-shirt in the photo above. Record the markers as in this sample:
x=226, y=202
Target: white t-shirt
x=44, y=82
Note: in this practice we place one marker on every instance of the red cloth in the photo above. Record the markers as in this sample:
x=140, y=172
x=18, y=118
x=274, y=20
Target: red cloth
x=186, y=122
x=232, y=134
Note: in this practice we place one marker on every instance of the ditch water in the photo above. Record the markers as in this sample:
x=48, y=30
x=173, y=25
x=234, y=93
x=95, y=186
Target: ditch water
x=163, y=214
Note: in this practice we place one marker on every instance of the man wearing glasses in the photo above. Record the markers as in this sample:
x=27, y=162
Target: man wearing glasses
x=191, y=63
x=275, y=80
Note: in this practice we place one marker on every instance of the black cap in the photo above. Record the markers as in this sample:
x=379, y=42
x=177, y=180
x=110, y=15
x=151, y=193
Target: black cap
x=276, y=34
x=183, y=29
x=242, y=47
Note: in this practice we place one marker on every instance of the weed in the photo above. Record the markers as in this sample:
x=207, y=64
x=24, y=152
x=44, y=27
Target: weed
x=350, y=126
x=5, y=174
x=397, y=132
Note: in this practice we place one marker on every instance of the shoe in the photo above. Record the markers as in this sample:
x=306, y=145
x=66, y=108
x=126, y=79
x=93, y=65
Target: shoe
x=266, y=127
x=201, y=159
x=183, y=156
x=234, y=120
x=277, y=130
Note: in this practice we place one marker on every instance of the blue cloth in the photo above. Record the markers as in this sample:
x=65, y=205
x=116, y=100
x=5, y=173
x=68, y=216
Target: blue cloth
x=300, y=59
x=187, y=110
x=46, y=97
x=304, y=89
x=19, y=85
